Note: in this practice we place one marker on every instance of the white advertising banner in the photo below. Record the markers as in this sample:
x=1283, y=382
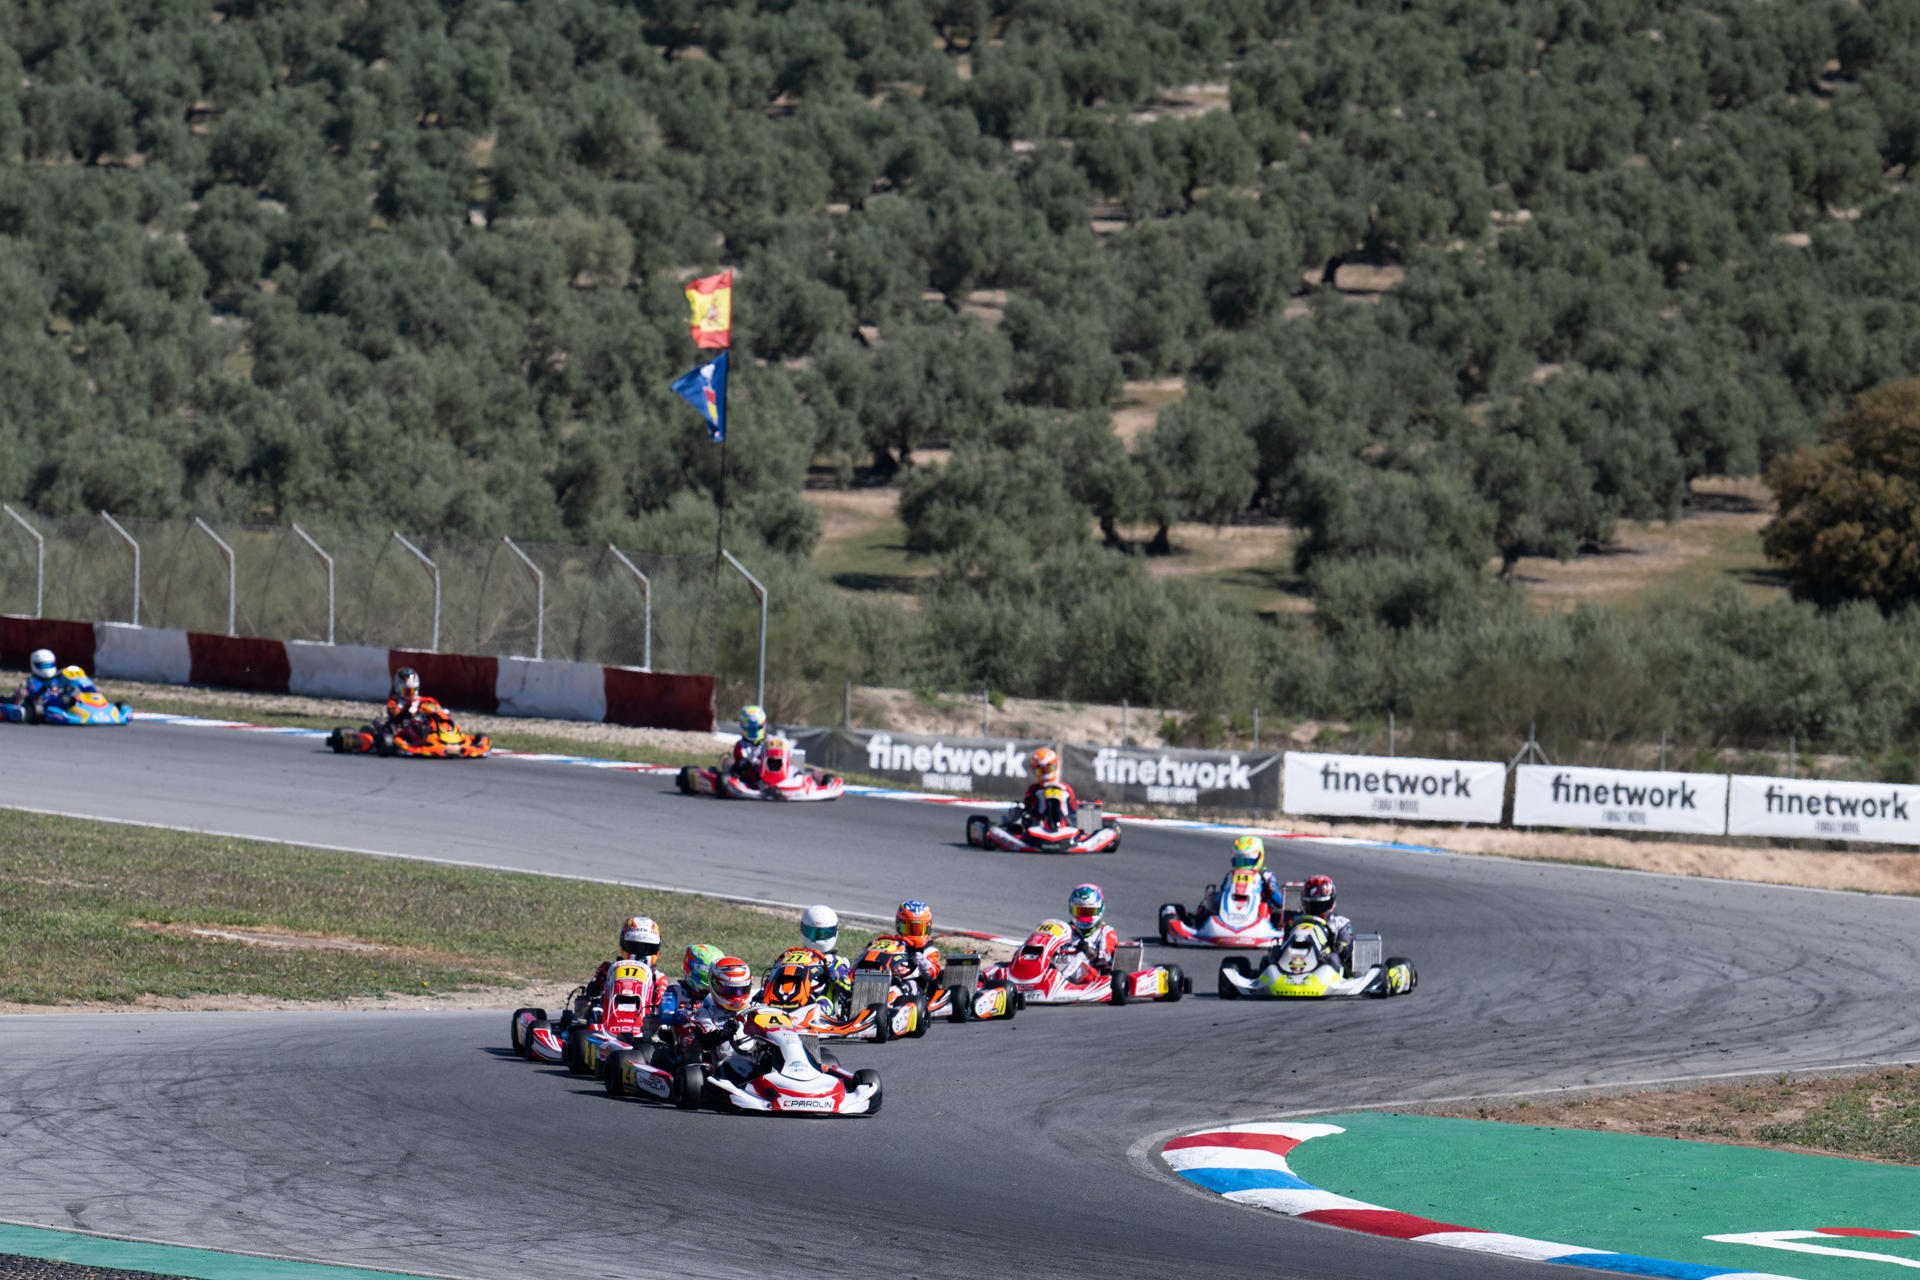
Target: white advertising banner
x=1401, y=788
x=1878, y=811
x=1621, y=799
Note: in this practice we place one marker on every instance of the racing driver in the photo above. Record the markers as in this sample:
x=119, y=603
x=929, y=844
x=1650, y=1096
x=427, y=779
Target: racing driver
x=639, y=940
x=913, y=926
x=43, y=683
x=1093, y=941
x=820, y=928
x=1045, y=764
x=752, y=746
x=1250, y=853
x=1316, y=902
x=406, y=702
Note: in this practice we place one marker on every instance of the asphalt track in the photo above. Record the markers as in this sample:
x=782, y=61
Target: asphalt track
x=412, y=1142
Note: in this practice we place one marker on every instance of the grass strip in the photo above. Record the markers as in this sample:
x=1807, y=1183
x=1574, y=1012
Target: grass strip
x=96, y=911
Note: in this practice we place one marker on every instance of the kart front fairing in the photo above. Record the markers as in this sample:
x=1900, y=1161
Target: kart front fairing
x=1306, y=967
x=784, y=1079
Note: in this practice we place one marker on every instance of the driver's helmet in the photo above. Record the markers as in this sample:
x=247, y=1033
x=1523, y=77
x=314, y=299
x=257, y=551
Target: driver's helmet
x=914, y=922
x=1316, y=896
x=732, y=984
x=697, y=967
x=790, y=985
x=820, y=926
x=1250, y=852
x=1086, y=907
x=1045, y=764
x=74, y=674
x=764, y=1022
x=42, y=664
x=753, y=724
x=640, y=938
x=406, y=684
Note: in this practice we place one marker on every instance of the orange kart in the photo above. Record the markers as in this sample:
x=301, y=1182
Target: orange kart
x=430, y=733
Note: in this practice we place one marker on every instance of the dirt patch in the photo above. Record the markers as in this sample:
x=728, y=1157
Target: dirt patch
x=967, y=714
x=1203, y=548
x=1863, y=1115
x=1140, y=406
x=257, y=936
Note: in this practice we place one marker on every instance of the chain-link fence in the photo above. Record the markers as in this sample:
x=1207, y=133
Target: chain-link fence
x=589, y=604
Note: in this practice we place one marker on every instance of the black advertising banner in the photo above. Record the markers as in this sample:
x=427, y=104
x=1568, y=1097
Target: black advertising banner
x=1173, y=776
x=938, y=762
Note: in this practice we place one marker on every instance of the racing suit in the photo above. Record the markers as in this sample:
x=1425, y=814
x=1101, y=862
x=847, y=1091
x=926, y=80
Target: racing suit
x=1031, y=804
x=1340, y=931
x=839, y=975
x=37, y=692
x=400, y=711
x=746, y=760
x=724, y=1036
x=924, y=964
x=1092, y=953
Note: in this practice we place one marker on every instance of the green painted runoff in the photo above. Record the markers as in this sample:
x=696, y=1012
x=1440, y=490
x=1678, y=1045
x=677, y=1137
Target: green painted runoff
x=169, y=1259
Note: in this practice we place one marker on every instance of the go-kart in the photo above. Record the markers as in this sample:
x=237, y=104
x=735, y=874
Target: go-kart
x=1307, y=967
x=774, y=1071
x=783, y=775
x=430, y=733
x=76, y=702
x=1046, y=970
x=1049, y=830
x=585, y=1034
x=1235, y=914
x=900, y=1003
x=790, y=988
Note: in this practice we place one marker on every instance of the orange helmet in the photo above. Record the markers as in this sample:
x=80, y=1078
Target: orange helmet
x=914, y=922
x=732, y=982
x=1046, y=765
x=790, y=985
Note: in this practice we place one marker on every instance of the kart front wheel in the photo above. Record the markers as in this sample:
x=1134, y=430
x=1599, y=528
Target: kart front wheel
x=977, y=831
x=693, y=1086
x=383, y=743
x=1177, y=984
x=518, y=1041
x=684, y=780
x=612, y=1077
x=882, y=1023
x=1170, y=911
x=1237, y=966
x=1118, y=985
x=867, y=1075
x=922, y=1018
x=337, y=740
x=962, y=1004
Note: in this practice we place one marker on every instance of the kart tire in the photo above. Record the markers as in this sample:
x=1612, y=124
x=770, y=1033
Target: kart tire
x=977, y=831
x=383, y=741
x=863, y=1076
x=520, y=1047
x=1118, y=985
x=962, y=1004
x=1179, y=912
x=1177, y=984
x=922, y=1018
x=684, y=780
x=882, y=1023
x=692, y=1081
x=1227, y=990
x=612, y=1075
x=575, y=1056
x=338, y=741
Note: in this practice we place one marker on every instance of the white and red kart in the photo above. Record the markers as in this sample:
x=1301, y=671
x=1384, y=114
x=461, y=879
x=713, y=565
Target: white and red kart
x=1017, y=830
x=781, y=1076
x=1234, y=914
x=1046, y=970
x=784, y=775
x=585, y=1035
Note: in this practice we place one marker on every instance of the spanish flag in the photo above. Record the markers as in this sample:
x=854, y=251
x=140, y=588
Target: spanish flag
x=712, y=300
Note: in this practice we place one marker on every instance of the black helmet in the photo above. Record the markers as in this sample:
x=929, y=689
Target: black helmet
x=1317, y=895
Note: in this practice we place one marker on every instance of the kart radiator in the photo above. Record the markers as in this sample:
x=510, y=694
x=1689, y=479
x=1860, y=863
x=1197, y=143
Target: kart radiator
x=871, y=986
x=1126, y=957
x=962, y=971
x=1088, y=817
x=1290, y=898
x=1367, y=950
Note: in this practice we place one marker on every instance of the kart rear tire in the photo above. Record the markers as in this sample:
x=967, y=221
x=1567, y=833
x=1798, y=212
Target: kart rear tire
x=882, y=1023
x=1227, y=990
x=1175, y=984
x=520, y=1046
x=1179, y=913
x=684, y=780
x=611, y=1077
x=338, y=741
x=575, y=1056
x=692, y=1080
x=922, y=1018
x=383, y=741
x=977, y=831
x=863, y=1076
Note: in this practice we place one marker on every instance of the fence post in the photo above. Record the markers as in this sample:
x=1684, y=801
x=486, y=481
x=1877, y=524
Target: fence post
x=328, y=561
x=1256, y=728
x=1123, y=723
x=39, y=559
x=646, y=591
x=1391, y=735
x=539, y=598
x=115, y=526
x=233, y=583
x=1663, y=751
x=848, y=716
x=760, y=696
x=434, y=569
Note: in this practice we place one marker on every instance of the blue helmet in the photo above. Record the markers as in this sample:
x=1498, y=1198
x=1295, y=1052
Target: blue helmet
x=1086, y=906
x=753, y=723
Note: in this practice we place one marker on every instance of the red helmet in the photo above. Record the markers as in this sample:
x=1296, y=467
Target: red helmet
x=1046, y=765
x=914, y=922
x=1316, y=896
x=732, y=981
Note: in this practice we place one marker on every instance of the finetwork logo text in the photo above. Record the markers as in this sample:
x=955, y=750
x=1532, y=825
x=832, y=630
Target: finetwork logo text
x=1623, y=794
x=1110, y=767
x=1334, y=778
x=884, y=755
x=1892, y=807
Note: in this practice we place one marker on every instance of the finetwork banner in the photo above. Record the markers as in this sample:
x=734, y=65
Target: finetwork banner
x=1401, y=788
x=1620, y=799
x=988, y=766
x=1882, y=812
x=1173, y=776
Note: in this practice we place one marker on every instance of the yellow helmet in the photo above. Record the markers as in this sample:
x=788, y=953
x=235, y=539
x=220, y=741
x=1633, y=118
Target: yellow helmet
x=1250, y=851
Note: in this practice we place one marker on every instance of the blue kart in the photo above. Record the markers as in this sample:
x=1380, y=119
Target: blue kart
x=74, y=700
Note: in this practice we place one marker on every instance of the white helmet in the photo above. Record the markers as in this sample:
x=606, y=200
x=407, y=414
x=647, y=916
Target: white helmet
x=43, y=664
x=820, y=926
x=640, y=937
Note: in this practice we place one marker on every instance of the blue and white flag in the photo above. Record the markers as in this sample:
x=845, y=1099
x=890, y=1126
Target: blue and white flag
x=706, y=390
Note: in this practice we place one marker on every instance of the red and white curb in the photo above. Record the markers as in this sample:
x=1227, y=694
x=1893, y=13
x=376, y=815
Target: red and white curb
x=1247, y=1164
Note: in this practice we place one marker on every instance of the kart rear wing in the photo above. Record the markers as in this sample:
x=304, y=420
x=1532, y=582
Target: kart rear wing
x=871, y=987
x=963, y=972
x=1126, y=958
x=1089, y=817
x=1367, y=950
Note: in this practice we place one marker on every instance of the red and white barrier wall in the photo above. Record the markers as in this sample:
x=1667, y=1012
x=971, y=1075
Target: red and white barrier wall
x=502, y=686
